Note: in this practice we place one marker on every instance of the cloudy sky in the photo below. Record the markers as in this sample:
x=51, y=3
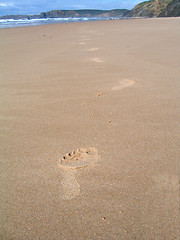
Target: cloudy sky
x=37, y=6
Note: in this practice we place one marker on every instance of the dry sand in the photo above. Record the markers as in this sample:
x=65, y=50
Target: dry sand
x=110, y=86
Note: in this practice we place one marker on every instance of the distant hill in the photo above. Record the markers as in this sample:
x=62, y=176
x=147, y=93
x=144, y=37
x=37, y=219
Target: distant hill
x=85, y=13
x=72, y=13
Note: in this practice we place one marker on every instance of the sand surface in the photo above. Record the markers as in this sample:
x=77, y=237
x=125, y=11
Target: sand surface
x=89, y=130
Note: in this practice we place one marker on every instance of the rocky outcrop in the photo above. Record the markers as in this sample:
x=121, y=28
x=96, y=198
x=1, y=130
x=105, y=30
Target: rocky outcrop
x=151, y=8
x=171, y=10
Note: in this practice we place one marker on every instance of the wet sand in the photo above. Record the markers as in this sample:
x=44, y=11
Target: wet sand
x=90, y=130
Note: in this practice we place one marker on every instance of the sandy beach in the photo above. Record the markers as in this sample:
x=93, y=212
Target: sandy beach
x=89, y=130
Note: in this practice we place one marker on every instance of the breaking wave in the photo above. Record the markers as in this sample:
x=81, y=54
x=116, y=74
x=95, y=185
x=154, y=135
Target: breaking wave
x=8, y=23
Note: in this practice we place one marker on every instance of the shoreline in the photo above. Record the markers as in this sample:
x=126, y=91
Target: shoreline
x=90, y=20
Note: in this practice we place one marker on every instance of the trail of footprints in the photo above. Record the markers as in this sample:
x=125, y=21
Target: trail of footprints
x=83, y=41
x=82, y=157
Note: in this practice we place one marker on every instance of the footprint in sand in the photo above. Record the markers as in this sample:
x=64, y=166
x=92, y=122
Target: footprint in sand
x=98, y=60
x=70, y=163
x=99, y=95
x=82, y=43
x=84, y=38
x=93, y=49
x=124, y=83
x=70, y=186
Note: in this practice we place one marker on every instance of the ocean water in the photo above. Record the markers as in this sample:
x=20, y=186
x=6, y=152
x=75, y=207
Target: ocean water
x=9, y=23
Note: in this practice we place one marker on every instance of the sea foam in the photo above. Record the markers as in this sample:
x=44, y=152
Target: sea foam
x=8, y=23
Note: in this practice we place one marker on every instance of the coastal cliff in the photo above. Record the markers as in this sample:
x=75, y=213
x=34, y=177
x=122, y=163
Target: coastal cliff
x=171, y=10
x=156, y=8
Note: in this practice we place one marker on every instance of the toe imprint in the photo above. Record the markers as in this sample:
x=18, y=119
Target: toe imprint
x=79, y=158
